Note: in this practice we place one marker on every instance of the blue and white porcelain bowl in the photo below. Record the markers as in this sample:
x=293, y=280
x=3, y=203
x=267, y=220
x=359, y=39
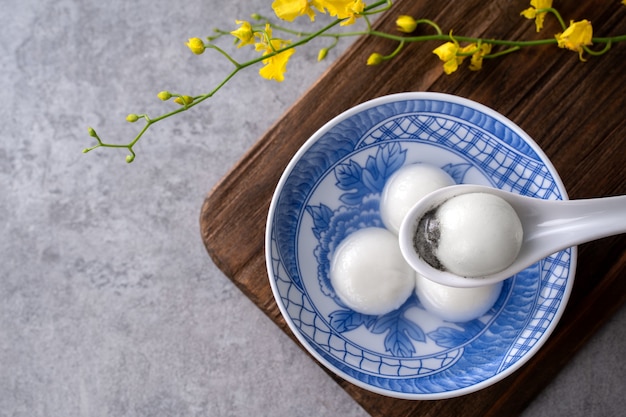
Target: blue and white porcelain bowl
x=332, y=187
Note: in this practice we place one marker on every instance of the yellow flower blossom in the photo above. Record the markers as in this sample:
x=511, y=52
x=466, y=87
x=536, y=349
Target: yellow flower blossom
x=348, y=10
x=342, y=9
x=263, y=36
x=531, y=12
x=447, y=53
x=476, y=63
x=577, y=35
x=290, y=9
x=244, y=33
x=375, y=59
x=275, y=65
x=452, y=56
x=196, y=45
x=407, y=24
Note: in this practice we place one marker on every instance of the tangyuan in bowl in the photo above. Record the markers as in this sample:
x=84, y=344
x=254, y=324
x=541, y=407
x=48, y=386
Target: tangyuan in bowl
x=332, y=188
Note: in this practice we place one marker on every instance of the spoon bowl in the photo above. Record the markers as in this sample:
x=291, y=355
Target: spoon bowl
x=549, y=226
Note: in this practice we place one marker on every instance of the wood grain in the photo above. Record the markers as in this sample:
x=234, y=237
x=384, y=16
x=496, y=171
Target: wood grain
x=574, y=110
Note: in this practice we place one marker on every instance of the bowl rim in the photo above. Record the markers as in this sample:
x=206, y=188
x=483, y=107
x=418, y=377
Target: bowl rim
x=407, y=96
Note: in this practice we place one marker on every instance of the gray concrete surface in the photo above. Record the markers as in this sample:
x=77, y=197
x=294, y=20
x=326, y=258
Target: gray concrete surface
x=109, y=304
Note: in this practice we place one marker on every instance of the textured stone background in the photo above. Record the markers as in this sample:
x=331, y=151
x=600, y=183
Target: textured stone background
x=109, y=304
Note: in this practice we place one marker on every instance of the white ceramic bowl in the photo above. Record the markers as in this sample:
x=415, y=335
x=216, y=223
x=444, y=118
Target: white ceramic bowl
x=332, y=188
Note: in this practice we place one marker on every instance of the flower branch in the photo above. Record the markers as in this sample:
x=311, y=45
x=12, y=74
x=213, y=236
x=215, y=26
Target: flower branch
x=275, y=51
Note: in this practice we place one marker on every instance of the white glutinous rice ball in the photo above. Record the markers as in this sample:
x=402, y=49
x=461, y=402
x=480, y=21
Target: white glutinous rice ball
x=456, y=304
x=369, y=273
x=479, y=234
x=406, y=187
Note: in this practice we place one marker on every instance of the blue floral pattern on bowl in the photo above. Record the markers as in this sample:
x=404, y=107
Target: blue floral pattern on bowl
x=332, y=188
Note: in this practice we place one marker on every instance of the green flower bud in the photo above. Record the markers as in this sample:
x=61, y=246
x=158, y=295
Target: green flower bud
x=256, y=16
x=165, y=95
x=130, y=158
x=92, y=132
x=132, y=118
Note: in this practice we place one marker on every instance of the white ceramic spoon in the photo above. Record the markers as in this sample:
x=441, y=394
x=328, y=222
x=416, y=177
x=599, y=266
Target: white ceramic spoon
x=549, y=226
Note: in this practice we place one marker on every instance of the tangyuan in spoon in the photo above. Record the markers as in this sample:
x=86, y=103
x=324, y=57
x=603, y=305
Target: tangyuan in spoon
x=471, y=235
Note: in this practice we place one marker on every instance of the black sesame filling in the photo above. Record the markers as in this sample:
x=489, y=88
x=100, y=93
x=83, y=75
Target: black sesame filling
x=426, y=238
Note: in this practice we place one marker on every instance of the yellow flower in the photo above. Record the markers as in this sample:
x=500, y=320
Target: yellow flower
x=244, y=33
x=375, y=59
x=264, y=36
x=276, y=65
x=263, y=44
x=342, y=9
x=407, y=24
x=453, y=55
x=531, y=12
x=290, y=9
x=448, y=53
x=196, y=45
x=268, y=30
x=476, y=63
x=577, y=35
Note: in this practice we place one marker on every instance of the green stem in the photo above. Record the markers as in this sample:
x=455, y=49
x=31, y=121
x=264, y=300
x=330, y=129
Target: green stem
x=367, y=22
x=369, y=10
x=555, y=13
x=334, y=44
x=600, y=52
x=613, y=39
x=443, y=37
x=396, y=52
x=431, y=24
x=226, y=54
x=504, y=52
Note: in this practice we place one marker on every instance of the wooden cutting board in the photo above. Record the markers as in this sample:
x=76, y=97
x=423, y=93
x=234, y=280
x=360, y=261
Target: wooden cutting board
x=574, y=110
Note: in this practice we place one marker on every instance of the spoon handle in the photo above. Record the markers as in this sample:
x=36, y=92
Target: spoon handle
x=580, y=221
